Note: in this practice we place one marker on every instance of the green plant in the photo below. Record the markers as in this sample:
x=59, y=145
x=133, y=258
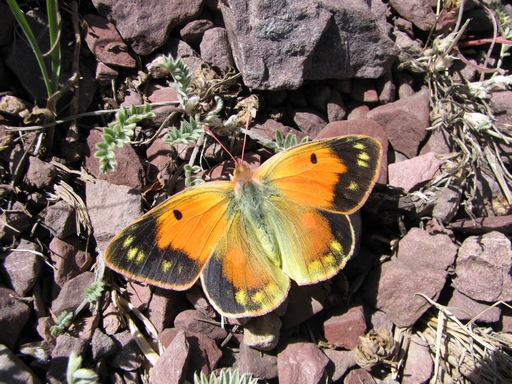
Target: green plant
x=77, y=375
x=62, y=323
x=188, y=132
x=226, y=376
x=282, y=142
x=93, y=291
x=54, y=29
x=120, y=132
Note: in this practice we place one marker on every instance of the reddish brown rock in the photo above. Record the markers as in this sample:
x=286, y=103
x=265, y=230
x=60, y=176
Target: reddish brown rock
x=60, y=219
x=139, y=295
x=342, y=361
x=105, y=74
x=260, y=363
x=13, y=369
x=105, y=42
x=420, y=267
x=193, y=32
x=483, y=268
x=14, y=315
x=129, y=170
x=165, y=304
x=482, y=225
x=22, y=267
x=309, y=121
x=204, y=352
x=70, y=296
x=215, y=48
x=419, y=366
x=102, y=346
x=363, y=90
x=172, y=365
x=301, y=362
x=358, y=376
x=409, y=173
x=40, y=174
x=418, y=12
x=343, y=330
x=302, y=303
x=336, y=109
x=405, y=122
x=112, y=319
x=111, y=208
x=195, y=321
x=145, y=26
x=466, y=309
x=197, y=298
x=69, y=258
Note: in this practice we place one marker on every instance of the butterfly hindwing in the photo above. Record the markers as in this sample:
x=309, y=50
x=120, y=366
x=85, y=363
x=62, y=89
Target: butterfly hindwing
x=331, y=174
x=169, y=246
x=240, y=279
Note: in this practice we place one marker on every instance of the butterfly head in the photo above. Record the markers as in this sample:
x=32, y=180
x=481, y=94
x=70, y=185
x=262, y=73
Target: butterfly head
x=242, y=173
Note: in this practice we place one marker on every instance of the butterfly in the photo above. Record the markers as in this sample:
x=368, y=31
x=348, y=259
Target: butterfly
x=247, y=237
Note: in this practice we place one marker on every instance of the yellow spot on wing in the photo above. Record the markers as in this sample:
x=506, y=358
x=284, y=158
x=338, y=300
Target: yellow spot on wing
x=132, y=252
x=353, y=186
x=241, y=297
x=359, y=145
x=166, y=265
x=363, y=156
x=140, y=256
x=128, y=241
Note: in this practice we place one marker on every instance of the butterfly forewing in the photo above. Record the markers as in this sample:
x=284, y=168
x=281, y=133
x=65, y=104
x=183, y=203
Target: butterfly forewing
x=169, y=246
x=332, y=174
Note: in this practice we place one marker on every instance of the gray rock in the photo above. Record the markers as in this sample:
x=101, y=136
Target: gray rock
x=215, y=48
x=278, y=45
x=419, y=12
x=60, y=219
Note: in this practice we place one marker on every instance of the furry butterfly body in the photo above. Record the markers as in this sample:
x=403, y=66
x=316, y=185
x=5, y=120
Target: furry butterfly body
x=247, y=238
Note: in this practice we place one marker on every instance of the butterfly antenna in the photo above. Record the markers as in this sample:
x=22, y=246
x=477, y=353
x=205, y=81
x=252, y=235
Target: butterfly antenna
x=209, y=131
x=245, y=133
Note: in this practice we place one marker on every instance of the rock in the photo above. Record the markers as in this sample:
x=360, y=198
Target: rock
x=112, y=319
x=259, y=363
x=358, y=376
x=129, y=170
x=172, y=365
x=386, y=88
x=336, y=109
x=309, y=120
x=343, y=329
x=105, y=42
x=14, y=370
x=102, y=346
x=64, y=346
x=419, y=12
x=105, y=74
x=466, y=309
x=358, y=111
x=139, y=295
x=317, y=96
x=69, y=258
x=111, y=208
x=128, y=357
x=193, y=32
x=342, y=361
x=145, y=26
x=301, y=362
x=215, y=48
x=266, y=130
x=197, y=298
x=157, y=93
x=195, y=321
x=280, y=53
x=302, y=303
x=204, y=352
x=483, y=268
x=405, y=122
x=165, y=304
x=40, y=174
x=21, y=268
x=14, y=314
x=363, y=90
x=420, y=267
x=14, y=222
x=437, y=143
x=262, y=333
x=482, y=225
x=410, y=173
x=60, y=219
x=361, y=127
x=419, y=366
x=70, y=296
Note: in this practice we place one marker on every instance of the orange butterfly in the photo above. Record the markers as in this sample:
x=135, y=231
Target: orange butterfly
x=247, y=238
